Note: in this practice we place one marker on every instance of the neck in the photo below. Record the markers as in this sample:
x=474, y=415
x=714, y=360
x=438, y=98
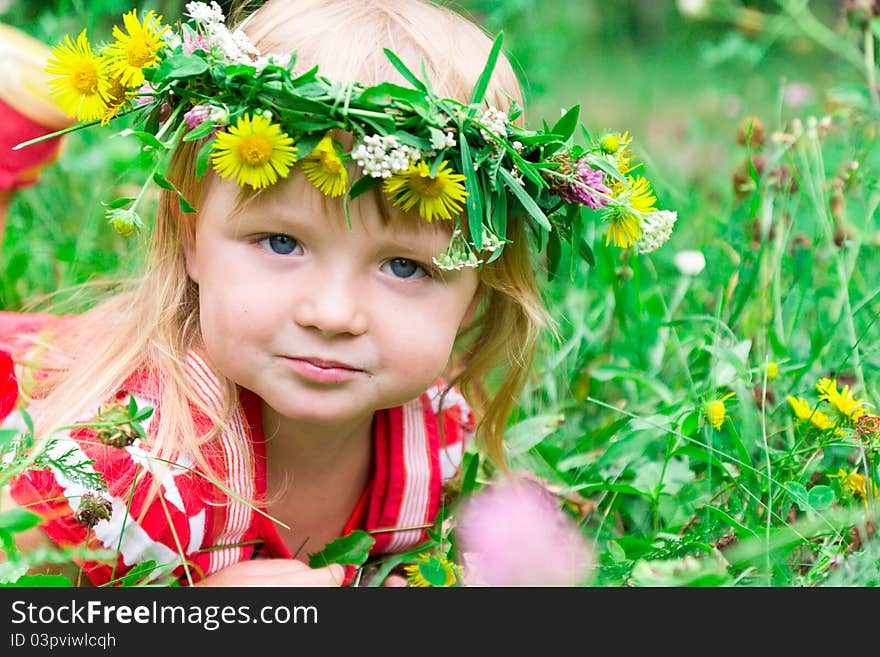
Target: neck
x=315, y=450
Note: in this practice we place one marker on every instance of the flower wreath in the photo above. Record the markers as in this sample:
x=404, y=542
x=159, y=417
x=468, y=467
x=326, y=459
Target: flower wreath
x=258, y=119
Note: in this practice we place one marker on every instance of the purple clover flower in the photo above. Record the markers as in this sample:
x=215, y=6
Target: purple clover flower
x=196, y=116
x=592, y=178
x=145, y=94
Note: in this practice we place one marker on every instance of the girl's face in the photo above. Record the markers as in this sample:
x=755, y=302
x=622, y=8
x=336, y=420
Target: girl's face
x=324, y=322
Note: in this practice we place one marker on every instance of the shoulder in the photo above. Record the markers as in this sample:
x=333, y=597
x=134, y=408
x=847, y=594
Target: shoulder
x=455, y=421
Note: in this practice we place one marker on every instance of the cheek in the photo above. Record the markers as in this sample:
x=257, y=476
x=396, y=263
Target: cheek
x=421, y=340
x=234, y=313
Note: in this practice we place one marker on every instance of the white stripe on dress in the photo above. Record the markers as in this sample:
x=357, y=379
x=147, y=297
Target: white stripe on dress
x=417, y=464
x=233, y=441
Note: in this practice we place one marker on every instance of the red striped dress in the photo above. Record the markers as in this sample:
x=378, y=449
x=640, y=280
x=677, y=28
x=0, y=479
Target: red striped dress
x=193, y=525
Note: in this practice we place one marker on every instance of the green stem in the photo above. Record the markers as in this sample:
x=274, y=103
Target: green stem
x=870, y=66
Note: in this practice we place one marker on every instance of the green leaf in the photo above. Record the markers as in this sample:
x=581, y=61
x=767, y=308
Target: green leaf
x=474, y=201
x=180, y=66
x=691, y=423
x=433, y=571
x=408, y=75
x=386, y=93
x=6, y=437
x=604, y=165
x=146, y=138
x=141, y=572
x=40, y=581
x=798, y=494
x=18, y=520
x=527, y=201
x=482, y=84
x=120, y=202
x=204, y=129
x=470, y=476
x=163, y=182
x=612, y=488
x=363, y=184
x=527, y=433
x=565, y=126
x=204, y=158
x=351, y=549
x=554, y=255
x=616, y=551
x=821, y=497
x=184, y=205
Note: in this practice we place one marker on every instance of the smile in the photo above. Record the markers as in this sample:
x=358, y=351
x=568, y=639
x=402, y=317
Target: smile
x=321, y=371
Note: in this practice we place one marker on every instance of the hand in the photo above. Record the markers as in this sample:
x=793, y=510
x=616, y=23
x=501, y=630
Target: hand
x=275, y=572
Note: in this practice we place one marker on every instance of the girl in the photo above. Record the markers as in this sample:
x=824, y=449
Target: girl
x=312, y=371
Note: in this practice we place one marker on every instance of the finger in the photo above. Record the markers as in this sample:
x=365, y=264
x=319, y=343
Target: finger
x=394, y=581
x=332, y=575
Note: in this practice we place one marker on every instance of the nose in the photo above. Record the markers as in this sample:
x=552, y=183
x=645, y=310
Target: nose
x=331, y=304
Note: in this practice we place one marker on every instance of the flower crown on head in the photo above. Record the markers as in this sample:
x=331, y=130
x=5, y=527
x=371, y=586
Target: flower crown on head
x=257, y=119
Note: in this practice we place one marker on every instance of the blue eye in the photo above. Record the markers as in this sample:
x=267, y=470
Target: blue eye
x=280, y=244
x=405, y=268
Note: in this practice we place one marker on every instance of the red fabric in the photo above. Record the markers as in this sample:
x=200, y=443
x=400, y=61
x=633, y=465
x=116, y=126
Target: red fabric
x=8, y=385
x=21, y=168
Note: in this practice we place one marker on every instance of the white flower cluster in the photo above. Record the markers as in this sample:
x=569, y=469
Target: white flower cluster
x=448, y=140
x=656, y=230
x=491, y=242
x=235, y=45
x=205, y=14
x=457, y=255
x=494, y=121
x=275, y=60
x=382, y=157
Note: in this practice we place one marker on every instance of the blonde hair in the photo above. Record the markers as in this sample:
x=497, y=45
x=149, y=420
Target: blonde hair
x=152, y=323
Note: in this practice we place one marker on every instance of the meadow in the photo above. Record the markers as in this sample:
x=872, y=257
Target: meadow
x=705, y=412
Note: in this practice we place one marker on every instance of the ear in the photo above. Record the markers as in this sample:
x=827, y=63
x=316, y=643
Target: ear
x=472, y=308
x=189, y=256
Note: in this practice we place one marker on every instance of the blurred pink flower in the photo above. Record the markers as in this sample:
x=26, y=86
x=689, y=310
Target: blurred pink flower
x=797, y=94
x=193, y=42
x=513, y=533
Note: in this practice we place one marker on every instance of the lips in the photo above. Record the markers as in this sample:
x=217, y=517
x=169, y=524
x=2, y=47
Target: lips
x=320, y=370
x=326, y=364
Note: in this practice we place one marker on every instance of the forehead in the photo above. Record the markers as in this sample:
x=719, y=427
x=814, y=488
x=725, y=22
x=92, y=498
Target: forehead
x=296, y=198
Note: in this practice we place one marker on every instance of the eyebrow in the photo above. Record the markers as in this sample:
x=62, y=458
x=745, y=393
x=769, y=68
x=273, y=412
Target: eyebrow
x=409, y=240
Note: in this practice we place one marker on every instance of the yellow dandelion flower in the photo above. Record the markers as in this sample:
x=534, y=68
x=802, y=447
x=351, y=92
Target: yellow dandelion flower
x=624, y=229
x=416, y=574
x=137, y=50
x=806, y=413
x=842, y=400
x=81, y=85
x=324, y=168
x=118, y=97
x=254, y=152
x=438, y=198
x=641, y=196
x=623, y=154
x=716, y=411
x=772, y=370
x=855, y=483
